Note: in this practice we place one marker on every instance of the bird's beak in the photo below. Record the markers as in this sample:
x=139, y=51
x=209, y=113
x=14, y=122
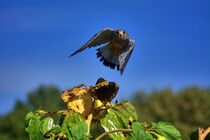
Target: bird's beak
x=121, y=33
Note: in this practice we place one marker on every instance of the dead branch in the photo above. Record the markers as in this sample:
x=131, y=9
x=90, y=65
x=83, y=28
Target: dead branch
x=203, y=133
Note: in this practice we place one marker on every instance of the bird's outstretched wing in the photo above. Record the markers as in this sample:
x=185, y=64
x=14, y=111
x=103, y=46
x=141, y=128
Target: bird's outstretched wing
x=124, y=57
x=102, y=37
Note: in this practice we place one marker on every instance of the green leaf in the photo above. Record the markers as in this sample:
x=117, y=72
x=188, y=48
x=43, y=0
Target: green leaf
x=112, y=122
x=139, y=133
x=33, y=128
x=29, y=116
x=37, y=127
x=118, y=117
x=75, y=127
x=157, y=136
x=125, y=111
x=46, y=124
x=167, y=130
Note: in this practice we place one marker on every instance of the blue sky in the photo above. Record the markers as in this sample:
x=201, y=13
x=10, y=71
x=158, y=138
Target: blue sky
x=172, y=44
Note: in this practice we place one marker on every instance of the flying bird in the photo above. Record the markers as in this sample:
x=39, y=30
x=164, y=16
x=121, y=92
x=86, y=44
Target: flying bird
x=116, y=50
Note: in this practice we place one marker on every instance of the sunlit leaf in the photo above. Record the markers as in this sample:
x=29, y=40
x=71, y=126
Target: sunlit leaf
x=75, y=126
x=46, y=124
x=34, y=126
x=126, y=112
x=37, y=127
x=118, y=117
x=112, y=122
x=167, y=130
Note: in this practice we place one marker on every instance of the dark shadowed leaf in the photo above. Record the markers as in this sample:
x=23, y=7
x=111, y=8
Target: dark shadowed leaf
x=139, y=133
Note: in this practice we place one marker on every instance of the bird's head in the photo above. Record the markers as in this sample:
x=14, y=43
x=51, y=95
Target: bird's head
x=120, y=34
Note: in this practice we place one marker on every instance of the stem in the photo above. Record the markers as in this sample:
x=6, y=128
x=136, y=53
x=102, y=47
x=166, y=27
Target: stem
x=45, y=113
x=203, y=133
x=112, y=131
x=88, y=122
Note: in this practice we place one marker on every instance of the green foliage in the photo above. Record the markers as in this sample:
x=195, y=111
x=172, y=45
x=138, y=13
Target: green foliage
x=118, y=117
x=139, y=132
x=13, y=124
x=75, y=127
x=119, y=123
x=46, y=97
x=161, y=131
x=42, y=127
x=166, y=130
x=37, y=127
x=187, y=109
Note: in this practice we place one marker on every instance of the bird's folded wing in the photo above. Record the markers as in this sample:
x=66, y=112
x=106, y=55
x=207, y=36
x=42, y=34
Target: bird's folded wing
x=124, y=57
x=100, y=38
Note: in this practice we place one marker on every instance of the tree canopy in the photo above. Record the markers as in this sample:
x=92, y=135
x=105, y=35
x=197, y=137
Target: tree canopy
x=187, y=109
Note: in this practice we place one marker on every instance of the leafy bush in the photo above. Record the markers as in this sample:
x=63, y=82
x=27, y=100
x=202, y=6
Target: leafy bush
x=89, y=110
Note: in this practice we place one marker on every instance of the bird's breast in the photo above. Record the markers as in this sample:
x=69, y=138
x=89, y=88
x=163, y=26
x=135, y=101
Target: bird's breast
x=115, y=47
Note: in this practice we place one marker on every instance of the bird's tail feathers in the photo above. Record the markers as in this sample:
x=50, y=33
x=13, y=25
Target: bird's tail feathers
x=107, y=57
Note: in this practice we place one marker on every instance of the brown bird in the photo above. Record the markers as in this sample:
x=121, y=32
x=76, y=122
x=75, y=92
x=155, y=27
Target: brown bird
x=116, y=51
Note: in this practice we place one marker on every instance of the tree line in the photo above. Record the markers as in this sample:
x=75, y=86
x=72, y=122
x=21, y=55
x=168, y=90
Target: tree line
x=187, y=109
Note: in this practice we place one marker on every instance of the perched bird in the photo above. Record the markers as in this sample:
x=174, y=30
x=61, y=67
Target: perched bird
x=117, y=48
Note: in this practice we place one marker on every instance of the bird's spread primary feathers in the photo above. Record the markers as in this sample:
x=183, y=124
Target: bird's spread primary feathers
x=116, y=51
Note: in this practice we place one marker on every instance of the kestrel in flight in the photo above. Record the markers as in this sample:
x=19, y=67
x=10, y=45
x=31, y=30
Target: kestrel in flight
x=117, y=48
